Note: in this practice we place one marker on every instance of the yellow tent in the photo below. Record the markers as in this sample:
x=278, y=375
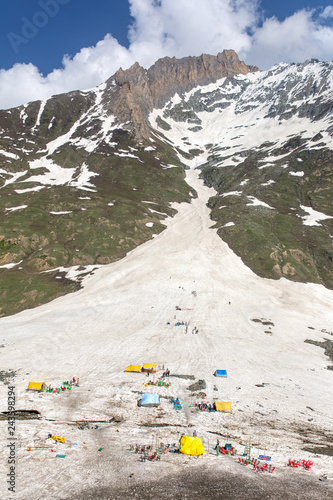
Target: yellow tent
x=149, y=366
x=59, y=438
x=191, y=446
x=223, y=405
x=133, y=368
x=36, y=386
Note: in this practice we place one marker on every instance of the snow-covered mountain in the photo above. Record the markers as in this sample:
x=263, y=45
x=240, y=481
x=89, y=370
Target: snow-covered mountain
x=265, y=143
x=78, y=170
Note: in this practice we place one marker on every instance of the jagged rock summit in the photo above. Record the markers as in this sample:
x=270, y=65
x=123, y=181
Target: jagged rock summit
x=138, y=91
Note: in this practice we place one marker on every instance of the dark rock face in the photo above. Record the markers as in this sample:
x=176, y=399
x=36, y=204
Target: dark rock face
x=197, y=386
x=168, y=76
x=139, y=91
x=327, y=345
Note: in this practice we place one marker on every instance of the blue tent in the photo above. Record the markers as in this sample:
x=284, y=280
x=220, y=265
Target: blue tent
x=220, y=373
x=148, y=399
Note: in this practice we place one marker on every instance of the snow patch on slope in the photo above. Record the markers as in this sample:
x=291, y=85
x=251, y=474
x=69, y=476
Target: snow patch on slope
x=82, y=180
x=39, y=115
x=55, y=175
x=313, y=218
x=9, y=155
x=13, y=209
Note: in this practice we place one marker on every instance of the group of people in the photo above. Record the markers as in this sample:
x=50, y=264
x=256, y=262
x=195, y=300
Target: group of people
x=67, y=385
x=257, y=466
x=205, y=406
x=194, y=330
x=176, y=403
x=73, y=381
x=166, y=373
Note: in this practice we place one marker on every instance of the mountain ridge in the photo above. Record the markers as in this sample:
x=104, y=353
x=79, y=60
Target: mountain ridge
x=153, y=87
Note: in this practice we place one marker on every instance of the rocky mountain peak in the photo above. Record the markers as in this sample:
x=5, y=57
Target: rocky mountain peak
x=168, y=76
x=130, y=76
x=139, y=91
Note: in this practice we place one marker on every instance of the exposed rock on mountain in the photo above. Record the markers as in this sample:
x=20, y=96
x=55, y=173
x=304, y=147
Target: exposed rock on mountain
x=139, y=91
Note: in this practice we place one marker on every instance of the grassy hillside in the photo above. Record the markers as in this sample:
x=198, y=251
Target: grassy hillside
x=101, y=225
x=274, y=241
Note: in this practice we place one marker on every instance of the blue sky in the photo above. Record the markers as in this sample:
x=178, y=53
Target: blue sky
x=78, y=23
x=53, y=46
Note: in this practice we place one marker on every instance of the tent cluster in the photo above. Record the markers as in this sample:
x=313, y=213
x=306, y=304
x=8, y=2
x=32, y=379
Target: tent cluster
x=224, y=406
x=43, y=387
x=147, y=367
x=146, y=399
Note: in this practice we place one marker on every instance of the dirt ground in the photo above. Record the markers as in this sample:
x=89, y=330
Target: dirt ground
x=203, y=483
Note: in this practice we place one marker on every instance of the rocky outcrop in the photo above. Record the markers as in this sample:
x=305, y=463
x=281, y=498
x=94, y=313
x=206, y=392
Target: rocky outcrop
x=136, y=91
x=168, y=76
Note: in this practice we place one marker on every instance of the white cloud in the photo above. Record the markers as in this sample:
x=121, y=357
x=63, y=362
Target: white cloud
x=193, y=27
x=89, y=67
x=297, y=38
x=328, y=12
x=92, y=65
x=179, y=28
x=20, y=83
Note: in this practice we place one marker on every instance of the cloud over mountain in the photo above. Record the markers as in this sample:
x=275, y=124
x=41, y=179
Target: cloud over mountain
x=167, y=28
